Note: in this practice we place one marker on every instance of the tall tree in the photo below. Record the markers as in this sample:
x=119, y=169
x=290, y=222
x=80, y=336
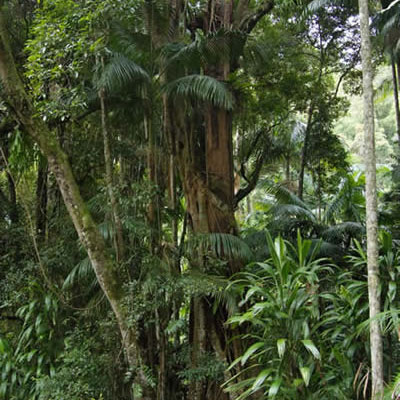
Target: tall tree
x=371, y=202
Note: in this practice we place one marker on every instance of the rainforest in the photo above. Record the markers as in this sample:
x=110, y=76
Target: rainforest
x=199, y=199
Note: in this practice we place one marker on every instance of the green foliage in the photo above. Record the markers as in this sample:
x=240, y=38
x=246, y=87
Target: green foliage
x=303, y=321
x=282, y=298
x=32, y=354
x=201, y=87
x=83, y=370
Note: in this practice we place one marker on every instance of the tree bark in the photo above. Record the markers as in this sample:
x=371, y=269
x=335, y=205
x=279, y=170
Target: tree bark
x=371, y=204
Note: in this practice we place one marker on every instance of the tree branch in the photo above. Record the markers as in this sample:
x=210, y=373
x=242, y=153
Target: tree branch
x=252, y=182
x=250, y=21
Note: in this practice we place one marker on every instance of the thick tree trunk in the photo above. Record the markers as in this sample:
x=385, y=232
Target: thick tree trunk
x=371, y=201
x=202, y=146
x=110, y=278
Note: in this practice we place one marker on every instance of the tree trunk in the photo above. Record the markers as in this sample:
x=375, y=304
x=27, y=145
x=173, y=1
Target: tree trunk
x=303, y=160
x=396, y=98
x=153, y=213
x=110, y=278
x=12, y=192
x=371, y=202
x=118, y=235
x=41, y=199
x=201, y=142
x=13, y=199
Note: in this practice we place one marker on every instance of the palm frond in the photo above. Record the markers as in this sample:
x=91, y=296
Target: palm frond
x=82, y=272
x=221, y=245
x=119, y=72
x=391, y=22
x=292, y=210
x=201, y=87
x=317, y=5
x=329, y=250
x=188, y=55
x=106, y=229
x=283, y=195
x=337, y=232
x=334, y=208
x=204, y=49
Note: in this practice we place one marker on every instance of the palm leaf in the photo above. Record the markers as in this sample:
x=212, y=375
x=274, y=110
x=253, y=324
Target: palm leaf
x=292, y=210
x=119, y=72
x=317, y=5
x=201, y=87
x=221, y=245
x=283, y=195
x=82, y=272
x=335, y=233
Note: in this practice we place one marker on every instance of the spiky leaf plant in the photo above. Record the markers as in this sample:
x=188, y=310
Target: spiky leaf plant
x=281, y=308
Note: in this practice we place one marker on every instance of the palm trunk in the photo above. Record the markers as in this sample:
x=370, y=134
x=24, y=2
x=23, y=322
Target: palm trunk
x=396, y=98
x=153, y=209
x=371, y=202
x=11, y=187
x=13, y=199
x=41, y=199
x=304, y=151
x=118, y=236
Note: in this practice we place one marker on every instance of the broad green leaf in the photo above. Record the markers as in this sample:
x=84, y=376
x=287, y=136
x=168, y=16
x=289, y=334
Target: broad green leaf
x=281, y=344
x=3, y=390
x=306, y=374
x=261, y=377
x=310, y=346
x=250, y=351
x=274, y=389
x=31, y=354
